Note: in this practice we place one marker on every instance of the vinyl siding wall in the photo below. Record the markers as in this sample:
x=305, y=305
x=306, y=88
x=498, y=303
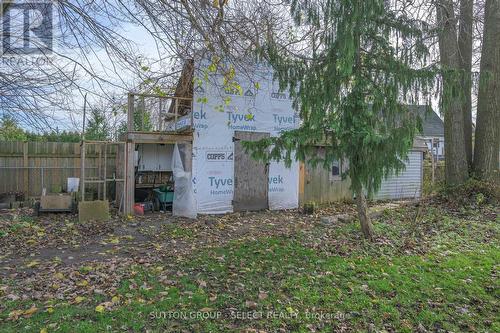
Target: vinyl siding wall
x=408, y=184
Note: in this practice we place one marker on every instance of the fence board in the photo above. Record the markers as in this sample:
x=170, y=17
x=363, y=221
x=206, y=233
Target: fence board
x=46, y=164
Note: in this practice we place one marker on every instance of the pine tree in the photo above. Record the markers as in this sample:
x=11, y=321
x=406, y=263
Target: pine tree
x=366, y=62
x=97, y=128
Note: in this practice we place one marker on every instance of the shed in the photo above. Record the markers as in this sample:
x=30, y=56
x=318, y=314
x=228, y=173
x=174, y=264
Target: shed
x=322, y=186
x=407, y=184
x=195, y=143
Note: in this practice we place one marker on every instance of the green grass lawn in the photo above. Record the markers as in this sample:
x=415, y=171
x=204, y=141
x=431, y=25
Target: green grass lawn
x=439, y=275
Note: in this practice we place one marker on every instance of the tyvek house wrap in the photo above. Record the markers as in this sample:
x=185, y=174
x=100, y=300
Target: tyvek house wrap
x=261, y=108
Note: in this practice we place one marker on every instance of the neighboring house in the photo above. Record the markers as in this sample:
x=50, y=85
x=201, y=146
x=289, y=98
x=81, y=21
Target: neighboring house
x=432, y=129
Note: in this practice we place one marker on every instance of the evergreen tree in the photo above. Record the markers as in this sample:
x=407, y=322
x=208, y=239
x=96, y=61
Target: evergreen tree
x=366, y=61
x=54, y=136
x=97, y=127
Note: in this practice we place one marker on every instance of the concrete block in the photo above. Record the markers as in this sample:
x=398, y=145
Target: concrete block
x=56, y=201
x=346, y=218
x=97, y=210
x=327, y=220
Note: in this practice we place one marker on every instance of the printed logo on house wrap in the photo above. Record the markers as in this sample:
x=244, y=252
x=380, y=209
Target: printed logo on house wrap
x=219, y=156
x=280, y=96
x=276, y=184
x=241, y=121
x=200, y=119
x=199, y=90
x=285, y=122
x=220, y=185
x=245, y=92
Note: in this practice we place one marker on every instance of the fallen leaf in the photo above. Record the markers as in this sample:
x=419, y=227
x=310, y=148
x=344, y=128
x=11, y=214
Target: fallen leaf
x=206, y=309
x=33, y=263
x=262, y=296
x=114, y=240
x=79, y=299
x=14, y=315
x=99, y=308
x=251, y=305
x=30, y=311
x=82, y=283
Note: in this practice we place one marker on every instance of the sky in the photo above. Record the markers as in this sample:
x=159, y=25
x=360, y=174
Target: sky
x=96, y=59
x=103, y=65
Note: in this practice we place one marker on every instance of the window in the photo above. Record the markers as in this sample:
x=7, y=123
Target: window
x=336, y=172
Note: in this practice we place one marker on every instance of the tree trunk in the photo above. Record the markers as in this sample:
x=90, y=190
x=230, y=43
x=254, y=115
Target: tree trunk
x=465, y=49
x=364, y=218
x=486, y=155
x=454, y=139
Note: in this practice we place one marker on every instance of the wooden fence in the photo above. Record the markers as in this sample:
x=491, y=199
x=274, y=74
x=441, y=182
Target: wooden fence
x=28, y=167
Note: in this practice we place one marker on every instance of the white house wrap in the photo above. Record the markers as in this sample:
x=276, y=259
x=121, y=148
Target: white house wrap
x=261, y=108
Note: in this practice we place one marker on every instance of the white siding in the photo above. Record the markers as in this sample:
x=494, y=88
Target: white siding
x=408, y=184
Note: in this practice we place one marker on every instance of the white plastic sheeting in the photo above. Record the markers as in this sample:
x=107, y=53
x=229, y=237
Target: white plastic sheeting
x=184, y=203
x=261, y=108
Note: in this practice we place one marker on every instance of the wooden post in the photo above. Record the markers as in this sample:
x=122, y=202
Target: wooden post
x=176, y=108
x=105, y=171
x=123, y=165
x=159, y=116
x=191, y=126
x=302, y=180
x=143, y=112
x=99, y=173
x=82, y=170
x=26, y=183
x=432, y=160
x=130, y=178
x=130, y=112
